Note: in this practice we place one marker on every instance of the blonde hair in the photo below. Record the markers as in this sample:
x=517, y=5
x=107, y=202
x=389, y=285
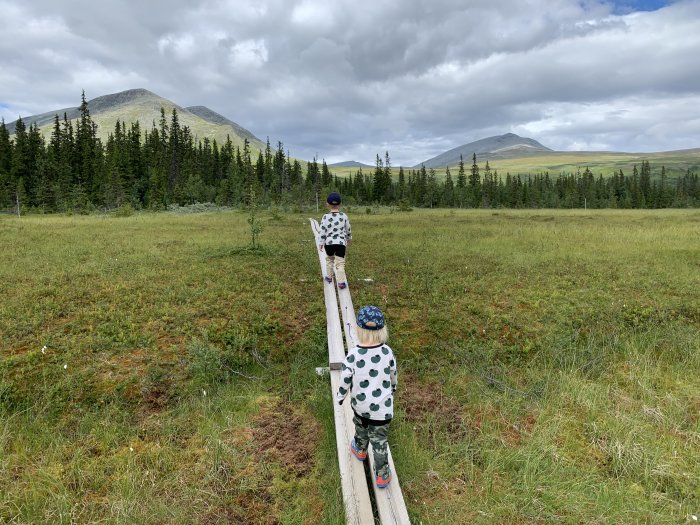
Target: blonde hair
x=372, y=337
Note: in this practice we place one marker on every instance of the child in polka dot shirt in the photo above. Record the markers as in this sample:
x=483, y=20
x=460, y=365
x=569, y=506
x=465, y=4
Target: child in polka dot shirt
x=334, y=238
x=369, y=375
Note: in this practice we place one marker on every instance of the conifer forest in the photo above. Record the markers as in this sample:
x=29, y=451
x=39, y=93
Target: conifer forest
x=73, y=171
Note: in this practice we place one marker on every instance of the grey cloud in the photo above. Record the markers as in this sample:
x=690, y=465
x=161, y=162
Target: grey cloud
x=354, y=78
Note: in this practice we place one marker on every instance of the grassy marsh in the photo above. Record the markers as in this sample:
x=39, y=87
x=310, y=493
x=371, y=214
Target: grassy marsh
x=152, y=371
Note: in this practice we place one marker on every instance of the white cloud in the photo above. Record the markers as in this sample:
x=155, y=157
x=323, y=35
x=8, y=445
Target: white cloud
x=102, y=80
x=313, y=13
x=182, y=45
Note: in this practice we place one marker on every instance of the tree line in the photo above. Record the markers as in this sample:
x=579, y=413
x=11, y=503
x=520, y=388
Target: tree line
x=476, y=187
x=73, y=171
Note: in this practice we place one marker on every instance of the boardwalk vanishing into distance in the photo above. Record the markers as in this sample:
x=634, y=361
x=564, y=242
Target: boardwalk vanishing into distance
x=387, y=506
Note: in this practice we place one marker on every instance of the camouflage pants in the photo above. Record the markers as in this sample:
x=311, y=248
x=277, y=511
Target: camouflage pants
x=378, y=436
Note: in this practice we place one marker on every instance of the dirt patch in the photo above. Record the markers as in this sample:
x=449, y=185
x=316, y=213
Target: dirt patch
x=513, y=434
x=421, y=401
x=246, y=510
x=286, y=435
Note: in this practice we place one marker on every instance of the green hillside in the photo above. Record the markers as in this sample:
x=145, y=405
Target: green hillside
x=144, y=106
x=599, y=162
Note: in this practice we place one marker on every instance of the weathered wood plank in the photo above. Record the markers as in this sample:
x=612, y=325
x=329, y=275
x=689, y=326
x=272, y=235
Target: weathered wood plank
x=390, y=503
x=356, y=500
x=335, y=350
x=358, y=506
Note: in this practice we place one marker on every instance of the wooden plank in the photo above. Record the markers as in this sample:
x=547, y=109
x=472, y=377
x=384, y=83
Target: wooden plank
x=358, y=506
x=335, y=350
x=356, y=500
x=390, y=503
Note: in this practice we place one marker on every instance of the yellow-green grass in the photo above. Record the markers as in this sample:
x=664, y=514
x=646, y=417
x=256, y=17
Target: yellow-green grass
x=549, y=366
x=600, y=163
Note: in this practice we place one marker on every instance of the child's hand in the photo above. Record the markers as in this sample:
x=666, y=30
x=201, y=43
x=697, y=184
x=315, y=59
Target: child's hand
x=320, y=247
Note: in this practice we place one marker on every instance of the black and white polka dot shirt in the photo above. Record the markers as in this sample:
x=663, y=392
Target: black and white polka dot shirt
x=335, y=228
x=369, y=375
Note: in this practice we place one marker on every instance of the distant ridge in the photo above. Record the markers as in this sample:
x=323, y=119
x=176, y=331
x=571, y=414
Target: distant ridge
x=350, y=164
x=96, y=106
x=144, y=106
x=215, y=118
x=505, y=146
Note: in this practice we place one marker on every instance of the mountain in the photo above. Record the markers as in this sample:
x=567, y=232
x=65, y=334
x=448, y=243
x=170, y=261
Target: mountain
x=505, y=146
x=215, y=118
x=349, y=164
x=144, y=106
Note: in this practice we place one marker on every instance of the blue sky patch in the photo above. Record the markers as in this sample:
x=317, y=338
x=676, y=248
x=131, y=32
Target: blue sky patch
x=623, y=7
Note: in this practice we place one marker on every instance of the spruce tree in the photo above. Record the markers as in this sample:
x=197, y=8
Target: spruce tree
x=461, y=183
x=421, y=186
x=379, y=186
x=645, y=185
x=388, y=182
x=487, y=192
x=431, y=189
x=326, y=177
x=87, y=189
x=448, y=193
x=401, y=186
x=19, y=167
x=5, y=166
x=474, y=185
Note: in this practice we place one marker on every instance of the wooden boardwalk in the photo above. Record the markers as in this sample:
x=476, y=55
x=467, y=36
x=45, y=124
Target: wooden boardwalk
x=390, y=505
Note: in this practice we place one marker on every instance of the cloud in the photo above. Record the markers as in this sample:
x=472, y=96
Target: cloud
x=350, y=79
x=181, y=46
x=248, y=53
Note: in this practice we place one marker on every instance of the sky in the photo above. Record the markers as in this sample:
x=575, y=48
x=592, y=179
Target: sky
x=350, y=79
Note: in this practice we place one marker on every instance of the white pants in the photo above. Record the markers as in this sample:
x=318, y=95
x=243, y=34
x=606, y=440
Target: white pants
x=336, y=264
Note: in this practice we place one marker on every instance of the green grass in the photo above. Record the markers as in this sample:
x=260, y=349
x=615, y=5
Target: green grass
x=549, y=367
x=599, y=162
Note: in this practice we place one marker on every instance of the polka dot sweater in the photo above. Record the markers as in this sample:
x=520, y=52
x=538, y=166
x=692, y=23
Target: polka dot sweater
x=369, y=375
x=335, y=228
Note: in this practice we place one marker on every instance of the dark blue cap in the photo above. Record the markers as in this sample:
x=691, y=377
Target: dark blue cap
x=370, y=318
x=333, y=198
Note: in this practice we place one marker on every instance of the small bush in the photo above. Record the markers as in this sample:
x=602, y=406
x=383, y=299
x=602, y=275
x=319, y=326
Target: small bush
x=127, y=210
x=205, y=364
x=240, y=349
x=403, y=205
x=275, y=214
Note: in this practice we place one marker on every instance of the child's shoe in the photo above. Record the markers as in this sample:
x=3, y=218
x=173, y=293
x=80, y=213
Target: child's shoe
x=329, y=280
x=359, y=454
x=342, y=286
x=383, y=482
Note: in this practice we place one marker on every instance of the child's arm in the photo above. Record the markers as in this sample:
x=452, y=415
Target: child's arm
x=345, y=381
x=393, y=373
x=323, y=234
x=348, y=231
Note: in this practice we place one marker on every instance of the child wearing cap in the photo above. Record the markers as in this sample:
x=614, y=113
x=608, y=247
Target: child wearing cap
x=335, y=236
x=369, y=375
